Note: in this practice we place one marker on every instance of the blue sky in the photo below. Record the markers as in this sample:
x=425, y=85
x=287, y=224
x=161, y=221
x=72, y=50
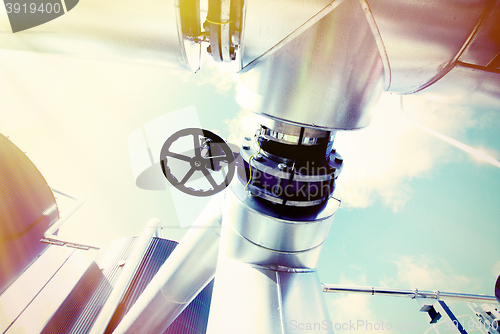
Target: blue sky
x=416, y=212
x=431, y=222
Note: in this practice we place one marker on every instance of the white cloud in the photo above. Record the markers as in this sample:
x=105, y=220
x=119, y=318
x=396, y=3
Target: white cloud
x=426, y=273
x=496, y=269
x=354, y=309
x=381, y=159
x=451, y=120
x=222, y=76
x=243, y=124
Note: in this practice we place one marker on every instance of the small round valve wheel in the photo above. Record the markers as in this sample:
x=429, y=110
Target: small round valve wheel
x=211, y=157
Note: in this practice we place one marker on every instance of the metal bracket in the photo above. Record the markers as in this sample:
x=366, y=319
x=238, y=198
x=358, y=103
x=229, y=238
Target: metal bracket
x=50, y=238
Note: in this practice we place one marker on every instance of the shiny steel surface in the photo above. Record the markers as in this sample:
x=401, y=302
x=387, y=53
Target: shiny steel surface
x=419, y=42
x=266, y=23
x=290, y=134
x=317, y=64
x=292, y=130
x=422, y=38
x=286, y=138
x=485, y=44
x=190, y=267
x=272, y=253
x=450, y=296
x=380, y=43
x=283, y=230
x=238, y=248
x=244, y=300
x=328, y=76
x=271, y=302
x=423, y=45
x=301, y=288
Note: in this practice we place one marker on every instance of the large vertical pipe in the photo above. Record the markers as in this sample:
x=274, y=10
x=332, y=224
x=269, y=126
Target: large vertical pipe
x=266, y=279
x=249, y=299
x=190, y=267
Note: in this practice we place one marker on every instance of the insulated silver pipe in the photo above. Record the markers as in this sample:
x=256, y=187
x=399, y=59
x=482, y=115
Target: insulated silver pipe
x=190, y=267
x=438, y=295
x=272, y=252
x=125, y=278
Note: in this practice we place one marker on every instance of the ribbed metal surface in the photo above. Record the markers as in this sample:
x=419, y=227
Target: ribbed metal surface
x=74, y=305
x=193, y=320
x=81, y=308
x=27, y=209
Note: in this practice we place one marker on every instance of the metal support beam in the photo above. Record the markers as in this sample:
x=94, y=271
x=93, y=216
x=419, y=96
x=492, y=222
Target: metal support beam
x=438, y=295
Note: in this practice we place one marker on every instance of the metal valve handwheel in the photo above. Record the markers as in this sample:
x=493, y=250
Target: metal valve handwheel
x=211, y=153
